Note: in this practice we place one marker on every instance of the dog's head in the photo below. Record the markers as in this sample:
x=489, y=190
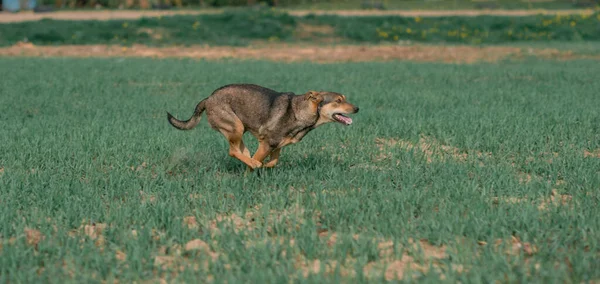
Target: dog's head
x=331, y=107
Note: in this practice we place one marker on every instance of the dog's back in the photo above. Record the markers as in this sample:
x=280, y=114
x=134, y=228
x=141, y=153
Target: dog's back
x=253, y=104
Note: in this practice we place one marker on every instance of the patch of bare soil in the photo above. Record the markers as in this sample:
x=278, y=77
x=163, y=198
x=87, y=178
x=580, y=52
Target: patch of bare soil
x=513, y=247
x=543, y=203
x=104, y=15
x=591, y=153
x=93, y=232
x=33, y=236
x=177, y=258
x=316, y=33
x=253, y=218
x=276, y=52
x=415, y=257
x=430, y=147
x=295, y=53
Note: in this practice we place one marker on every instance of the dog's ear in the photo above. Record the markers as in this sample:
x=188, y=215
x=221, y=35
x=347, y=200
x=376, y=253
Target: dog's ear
x=314, y=97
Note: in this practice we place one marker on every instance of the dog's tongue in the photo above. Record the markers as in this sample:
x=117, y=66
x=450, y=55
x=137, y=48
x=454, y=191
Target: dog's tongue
x=343, y=119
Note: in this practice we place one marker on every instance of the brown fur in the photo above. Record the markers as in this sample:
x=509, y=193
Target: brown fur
x=275, y=119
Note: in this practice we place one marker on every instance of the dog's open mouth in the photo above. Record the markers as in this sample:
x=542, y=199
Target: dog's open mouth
x=342, y=119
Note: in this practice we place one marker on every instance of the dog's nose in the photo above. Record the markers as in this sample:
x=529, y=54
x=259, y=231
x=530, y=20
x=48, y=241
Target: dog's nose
x=356, y=109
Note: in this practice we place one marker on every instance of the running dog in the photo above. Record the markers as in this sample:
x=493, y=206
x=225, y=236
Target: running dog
x=275, y=119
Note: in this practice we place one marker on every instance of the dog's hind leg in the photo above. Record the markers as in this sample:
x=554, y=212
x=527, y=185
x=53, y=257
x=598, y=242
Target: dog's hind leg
x=264, y=149
x=244, y=150
x=235, y=142
x=246, y=153
x=274, y=158
x=225, y=121
x=234, y=135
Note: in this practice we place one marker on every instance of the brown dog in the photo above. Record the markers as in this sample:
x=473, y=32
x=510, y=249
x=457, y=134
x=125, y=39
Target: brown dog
x=275, y=119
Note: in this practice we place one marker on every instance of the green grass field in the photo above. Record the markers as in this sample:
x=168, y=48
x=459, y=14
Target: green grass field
x=244, y=27
x=495, y=168
x=435, y=4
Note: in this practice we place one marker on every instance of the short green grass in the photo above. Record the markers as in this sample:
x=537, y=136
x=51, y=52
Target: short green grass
x=244, y=27
x=456, y=155
x=434, y=4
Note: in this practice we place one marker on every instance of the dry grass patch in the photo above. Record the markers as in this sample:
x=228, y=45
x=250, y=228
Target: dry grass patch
x=264, y=50
x=512, y=247
x=544, y=203
x=591, y=153
x=120, y=256
x=132, y=14
x=177, y=258
x=306, y=31
x=431, y=148
x=33, y=237
x=316, y=33
x=190, y=222
x=155, y=33
x=276, y=52
x=416, y=258
x=254, y=219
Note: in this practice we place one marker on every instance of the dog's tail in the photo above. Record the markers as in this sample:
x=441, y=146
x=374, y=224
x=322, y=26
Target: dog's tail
x=190, y=123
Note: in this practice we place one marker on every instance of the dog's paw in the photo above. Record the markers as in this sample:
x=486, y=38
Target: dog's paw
x=270, y=164
x=254, y=164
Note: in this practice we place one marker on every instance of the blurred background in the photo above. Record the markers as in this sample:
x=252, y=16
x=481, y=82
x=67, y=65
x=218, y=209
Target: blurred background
x=15, y=5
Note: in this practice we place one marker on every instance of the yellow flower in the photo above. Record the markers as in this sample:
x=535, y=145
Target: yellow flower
x=598, y=16
x=509, y=32
x=408, y=30
x=396, y=37
x=463, y=35
x=573, y=23
x=196, y=25
x=452, y=33
x=417, y=19
x=125, y=25
x=124, y=48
